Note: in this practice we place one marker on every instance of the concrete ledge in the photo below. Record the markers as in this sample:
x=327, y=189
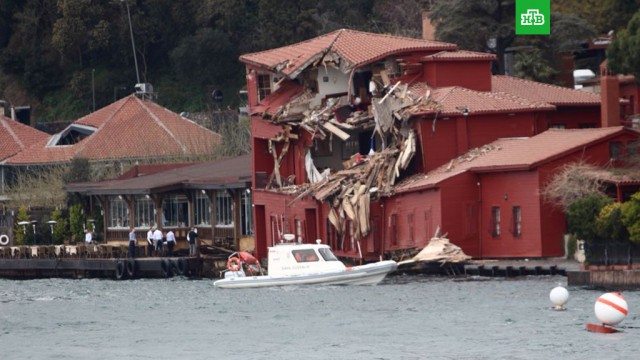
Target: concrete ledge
x=608, y=279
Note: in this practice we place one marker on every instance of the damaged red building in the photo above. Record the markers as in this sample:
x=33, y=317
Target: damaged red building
x=372, y=142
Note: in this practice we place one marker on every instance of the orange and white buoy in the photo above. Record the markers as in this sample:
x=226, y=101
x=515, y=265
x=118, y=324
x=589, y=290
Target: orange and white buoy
x=610, y=308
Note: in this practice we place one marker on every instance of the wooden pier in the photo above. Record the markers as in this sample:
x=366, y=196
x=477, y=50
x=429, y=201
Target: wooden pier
x=613, y=277
x=101, y=261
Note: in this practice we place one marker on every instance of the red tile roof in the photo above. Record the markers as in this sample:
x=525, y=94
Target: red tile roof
x=15, y=137
x=270, y=105
x=452, y=99
x=216, y=174
x=460, y=55
x=355, y=48
x=128, y=128
x=514, y=154
x=536, y=91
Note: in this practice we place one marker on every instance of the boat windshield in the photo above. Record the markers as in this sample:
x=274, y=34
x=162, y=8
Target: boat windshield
x=327, y=255
x=306, y=255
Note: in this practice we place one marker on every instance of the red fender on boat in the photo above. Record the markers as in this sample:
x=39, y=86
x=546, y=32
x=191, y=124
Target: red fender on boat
x=248, y=258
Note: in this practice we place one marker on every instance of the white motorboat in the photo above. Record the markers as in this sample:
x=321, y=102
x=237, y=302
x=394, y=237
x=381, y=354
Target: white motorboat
x=301, y=264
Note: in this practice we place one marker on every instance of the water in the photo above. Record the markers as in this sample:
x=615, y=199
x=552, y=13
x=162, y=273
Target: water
x=405, y=317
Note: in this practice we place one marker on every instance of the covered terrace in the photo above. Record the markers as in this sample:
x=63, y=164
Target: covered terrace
x=214, y=197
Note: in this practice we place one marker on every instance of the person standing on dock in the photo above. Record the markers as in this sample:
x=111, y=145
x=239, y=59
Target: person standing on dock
x=171, y=242
x=132, y=243
x=157, y=238
x=88, y=239
x=193, y=234
x=150, y=246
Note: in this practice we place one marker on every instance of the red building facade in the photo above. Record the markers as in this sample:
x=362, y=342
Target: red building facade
x=424, y=105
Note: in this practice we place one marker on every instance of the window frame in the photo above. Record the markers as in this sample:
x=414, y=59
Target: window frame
x=144, y=216
x=118, y=209
x=495, y=221
x=202, y=210
x=516, y=221
x=224, y=209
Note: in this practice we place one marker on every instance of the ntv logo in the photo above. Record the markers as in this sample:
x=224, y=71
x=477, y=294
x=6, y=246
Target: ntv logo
x=532, y=17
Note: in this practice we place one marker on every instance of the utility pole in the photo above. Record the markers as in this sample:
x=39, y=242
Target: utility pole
x=133, y=45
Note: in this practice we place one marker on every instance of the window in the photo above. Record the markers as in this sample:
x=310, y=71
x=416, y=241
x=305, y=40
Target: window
x=264, y=86
x=350, y=147
x=144, y=213
x=202, y=209
x=224, y=208
x=393, y=226
x=306, y=255
x=586, y=126
x=327, y=255
x=615, y=150
x=246, y=213
x=175, y=211
x=516, y=226
x=495, y=221
x=118, y=213
x=411, y=232
x=323, y=147
x=632, y=149
x=299, y=230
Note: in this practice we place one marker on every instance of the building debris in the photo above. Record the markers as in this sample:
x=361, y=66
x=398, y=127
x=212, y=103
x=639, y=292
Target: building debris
x=365, y=177
x=439, y=249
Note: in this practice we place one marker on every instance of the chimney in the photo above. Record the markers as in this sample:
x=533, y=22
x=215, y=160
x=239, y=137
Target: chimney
x=428, y=28
x=609, y=100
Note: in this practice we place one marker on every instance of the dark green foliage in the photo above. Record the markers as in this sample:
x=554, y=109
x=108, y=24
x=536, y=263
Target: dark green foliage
x=22, y=234
x=582, y=214
x=473, y=24
x=60, y=228
x=76, y=222
x=609, y=223
x=62, y=52
x=631, y=217
x=79, y=171
x=624, y=53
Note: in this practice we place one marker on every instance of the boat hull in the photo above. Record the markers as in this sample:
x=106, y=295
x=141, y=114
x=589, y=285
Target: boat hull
x=370, y=274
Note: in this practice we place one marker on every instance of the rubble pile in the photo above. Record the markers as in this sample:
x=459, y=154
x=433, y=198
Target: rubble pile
x=364, y=177
x=441, y=250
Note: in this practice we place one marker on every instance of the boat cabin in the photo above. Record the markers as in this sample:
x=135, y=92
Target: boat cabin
x=287, y=259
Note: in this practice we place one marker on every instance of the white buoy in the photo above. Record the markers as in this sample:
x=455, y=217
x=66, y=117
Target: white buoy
x=611, y=308
x=559, y=296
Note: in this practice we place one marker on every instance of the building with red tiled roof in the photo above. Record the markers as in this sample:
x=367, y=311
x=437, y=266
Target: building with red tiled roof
x=15, y=137
x=321, y=105
x=350, y=48
x=495, y=191
x=131, y=128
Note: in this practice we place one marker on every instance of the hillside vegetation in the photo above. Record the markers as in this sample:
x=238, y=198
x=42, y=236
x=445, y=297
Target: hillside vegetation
x=64, y=57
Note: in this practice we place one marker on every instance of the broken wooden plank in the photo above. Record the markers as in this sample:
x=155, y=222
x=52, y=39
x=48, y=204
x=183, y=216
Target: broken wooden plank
x=336, y=131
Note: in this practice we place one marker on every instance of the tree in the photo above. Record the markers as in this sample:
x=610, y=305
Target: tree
x=20, y=232
x=609, y=223
x=631, y=217
x=624, y=52
x=488, y=25
x=571, y=183
x=476, y=25
x=76, y=222
x=533, y=64
x=604, y=15
x=60, y=228
x=582, y=214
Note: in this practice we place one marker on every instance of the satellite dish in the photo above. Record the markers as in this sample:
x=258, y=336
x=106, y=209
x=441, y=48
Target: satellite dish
x=217, y=96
